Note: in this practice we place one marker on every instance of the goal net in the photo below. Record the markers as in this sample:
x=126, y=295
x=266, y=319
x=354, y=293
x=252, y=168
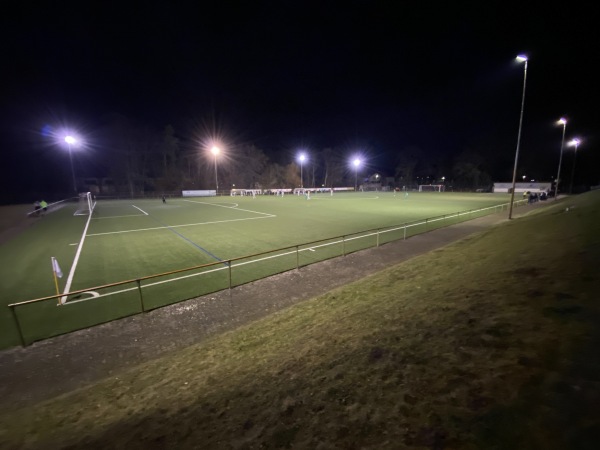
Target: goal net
x=431, y=188
x=86, y=204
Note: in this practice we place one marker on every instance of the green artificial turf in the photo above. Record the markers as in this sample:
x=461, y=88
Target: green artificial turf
x=131, y=239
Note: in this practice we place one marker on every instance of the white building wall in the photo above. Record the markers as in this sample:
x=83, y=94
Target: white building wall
x=542, y=186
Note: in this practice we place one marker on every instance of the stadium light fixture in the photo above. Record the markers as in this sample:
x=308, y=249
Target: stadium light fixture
x=70, y=140
x=573, y=143
x=302, y=158
x=562, y=122
x=356, y=164
x=215, y=151
x=520, y=58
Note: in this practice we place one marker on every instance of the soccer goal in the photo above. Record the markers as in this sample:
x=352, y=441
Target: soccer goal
x=86, y=204
x=431, y=188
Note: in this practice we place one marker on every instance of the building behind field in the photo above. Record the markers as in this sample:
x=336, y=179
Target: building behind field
x=542, y=186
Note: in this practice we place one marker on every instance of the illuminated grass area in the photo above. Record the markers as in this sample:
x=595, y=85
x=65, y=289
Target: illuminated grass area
x=487, y=343
x=129, y=239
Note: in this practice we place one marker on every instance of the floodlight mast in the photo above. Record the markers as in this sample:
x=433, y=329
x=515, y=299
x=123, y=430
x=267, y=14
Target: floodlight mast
x=70, y=140
x=574, y=143
x=356, y=163
x=520, y=58
x=302, y=158
x=215, y=151
x=562, y=122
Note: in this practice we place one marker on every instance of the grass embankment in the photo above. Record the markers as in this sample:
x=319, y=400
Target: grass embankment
x=488, y=343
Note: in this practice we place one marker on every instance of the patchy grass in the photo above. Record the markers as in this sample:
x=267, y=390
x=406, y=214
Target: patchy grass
x=488, y=343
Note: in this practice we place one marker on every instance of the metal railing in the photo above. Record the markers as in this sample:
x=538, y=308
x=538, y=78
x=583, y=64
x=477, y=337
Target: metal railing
x=40, y=318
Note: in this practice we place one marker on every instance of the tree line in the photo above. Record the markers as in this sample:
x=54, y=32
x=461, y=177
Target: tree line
x=143, y=160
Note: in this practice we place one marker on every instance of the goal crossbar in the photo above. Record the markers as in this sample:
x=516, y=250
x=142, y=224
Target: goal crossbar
x=431, y=188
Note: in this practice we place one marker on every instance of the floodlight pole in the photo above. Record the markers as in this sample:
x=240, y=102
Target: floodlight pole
x=512, y=194
x=563, y=122
x=574, y=142
x=216, y=175
x=71, y=140
x=72, y=169
x=215, y=151
x=302, y=158
x=356, y=164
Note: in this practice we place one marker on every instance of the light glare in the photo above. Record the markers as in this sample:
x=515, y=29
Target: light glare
x=521, y=58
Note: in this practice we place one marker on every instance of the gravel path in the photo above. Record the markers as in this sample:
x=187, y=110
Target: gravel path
x=58, y=365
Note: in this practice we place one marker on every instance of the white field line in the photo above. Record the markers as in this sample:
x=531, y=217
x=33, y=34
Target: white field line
x=235, y=205
x=232, y=207
x=179, y=226
x=63, y=299
x=118, y=217
x=219, y=268
x=140, y=209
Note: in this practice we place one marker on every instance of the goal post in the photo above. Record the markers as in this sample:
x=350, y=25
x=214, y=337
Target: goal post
x=431, y=188
x=86, y=204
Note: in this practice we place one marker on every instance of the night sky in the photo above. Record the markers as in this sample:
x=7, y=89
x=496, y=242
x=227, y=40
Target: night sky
x=370, y=77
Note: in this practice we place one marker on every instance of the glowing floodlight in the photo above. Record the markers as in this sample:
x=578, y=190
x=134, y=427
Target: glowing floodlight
x=70, y=140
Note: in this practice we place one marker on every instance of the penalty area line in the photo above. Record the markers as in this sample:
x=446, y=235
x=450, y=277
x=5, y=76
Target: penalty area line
x=140, y=209
x=232, y=207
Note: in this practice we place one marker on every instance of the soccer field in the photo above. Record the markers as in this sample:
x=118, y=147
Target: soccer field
x=132, y=239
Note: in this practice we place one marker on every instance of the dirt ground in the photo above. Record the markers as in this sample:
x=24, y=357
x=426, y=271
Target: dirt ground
x=64, y=363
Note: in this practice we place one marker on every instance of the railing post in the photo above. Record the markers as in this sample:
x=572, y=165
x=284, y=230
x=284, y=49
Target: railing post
x=229, y=272
x=378, y=237
x=14, y=314
x=297, y=258
x=404, y=230
x=343, y=246
x=139, y=283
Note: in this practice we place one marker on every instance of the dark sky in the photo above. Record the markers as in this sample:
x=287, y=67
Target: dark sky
x=375, y=77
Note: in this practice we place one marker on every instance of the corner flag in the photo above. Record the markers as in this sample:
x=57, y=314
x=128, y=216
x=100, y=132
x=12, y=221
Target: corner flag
x=57, y=273
x=56, y=268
